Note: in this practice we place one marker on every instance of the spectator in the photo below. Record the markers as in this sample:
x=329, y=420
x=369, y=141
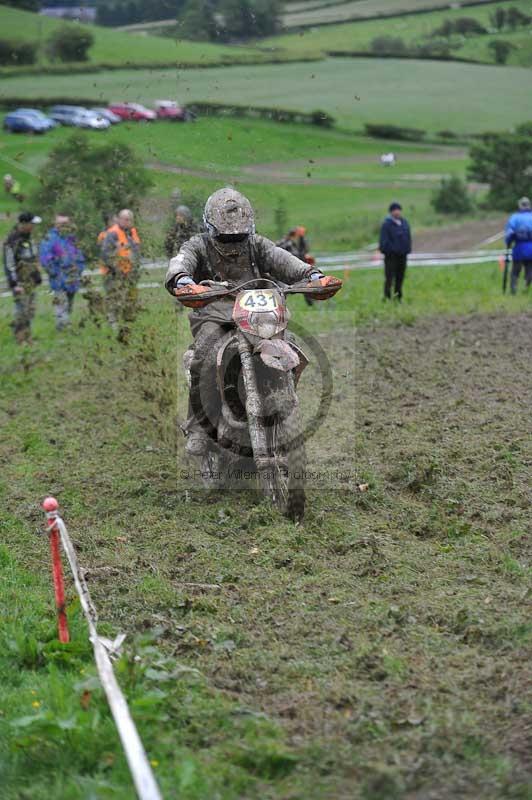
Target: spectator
x=22, y=271
x=121, y=266
x=395, y=244
x=290, y=242
x=12, y=188
x=181, y=230
x=295, y=242
x=108, y=221
x=519, y=234
x=64, y=262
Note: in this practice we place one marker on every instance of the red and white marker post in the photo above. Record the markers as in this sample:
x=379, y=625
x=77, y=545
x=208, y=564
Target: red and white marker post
x=50, y=505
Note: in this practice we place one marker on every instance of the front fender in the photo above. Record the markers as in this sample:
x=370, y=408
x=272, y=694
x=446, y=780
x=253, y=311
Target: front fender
x=278, y=354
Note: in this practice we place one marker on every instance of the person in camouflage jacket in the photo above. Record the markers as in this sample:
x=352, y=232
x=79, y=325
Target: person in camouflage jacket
x=181, y=230
x=21, y=267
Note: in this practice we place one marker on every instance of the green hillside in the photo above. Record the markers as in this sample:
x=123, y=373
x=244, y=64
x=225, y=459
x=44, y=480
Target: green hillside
x=318, y=13
x=330, y=179
x=115, y=47
x=356, y=91
x=413, y=30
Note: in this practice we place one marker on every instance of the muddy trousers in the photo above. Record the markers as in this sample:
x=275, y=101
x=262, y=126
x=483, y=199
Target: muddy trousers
x=24, y=314
x=63, y=303
x=121, y=296
x=394, y=274
x=204, y=399
x=516, y=271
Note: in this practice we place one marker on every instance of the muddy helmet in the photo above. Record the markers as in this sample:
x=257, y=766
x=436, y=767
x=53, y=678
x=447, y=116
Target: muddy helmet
x=228, y=213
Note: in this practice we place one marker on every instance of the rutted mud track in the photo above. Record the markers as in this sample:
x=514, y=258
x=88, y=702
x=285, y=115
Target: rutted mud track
x=388, y=634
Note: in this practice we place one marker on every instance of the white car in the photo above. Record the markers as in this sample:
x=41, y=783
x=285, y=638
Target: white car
x=114, y=119
x=93, y=120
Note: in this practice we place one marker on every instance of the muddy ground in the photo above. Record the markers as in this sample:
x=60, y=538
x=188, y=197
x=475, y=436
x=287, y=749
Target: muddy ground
x=389, y=633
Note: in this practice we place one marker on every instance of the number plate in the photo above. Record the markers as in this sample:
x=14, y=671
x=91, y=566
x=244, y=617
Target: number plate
x=258, y=300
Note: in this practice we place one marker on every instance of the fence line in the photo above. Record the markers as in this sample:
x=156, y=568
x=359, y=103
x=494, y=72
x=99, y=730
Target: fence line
x=139, y=765
x=349, y=262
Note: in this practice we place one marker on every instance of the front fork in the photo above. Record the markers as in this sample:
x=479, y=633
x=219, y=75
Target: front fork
x=254, y=408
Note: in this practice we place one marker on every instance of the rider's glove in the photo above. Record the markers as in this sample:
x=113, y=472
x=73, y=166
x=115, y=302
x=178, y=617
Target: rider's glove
x=330, y=286
x=191, y=290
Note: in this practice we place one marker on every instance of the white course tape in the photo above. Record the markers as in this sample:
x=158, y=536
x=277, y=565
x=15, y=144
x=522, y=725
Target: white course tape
x=139, y=765
x=352, y=261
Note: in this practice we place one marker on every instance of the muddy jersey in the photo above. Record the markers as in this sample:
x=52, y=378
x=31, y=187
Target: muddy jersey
x=201, y=258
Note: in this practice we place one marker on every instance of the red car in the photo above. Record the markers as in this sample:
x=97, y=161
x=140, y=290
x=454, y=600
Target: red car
x=169, y=109
x=133, y=111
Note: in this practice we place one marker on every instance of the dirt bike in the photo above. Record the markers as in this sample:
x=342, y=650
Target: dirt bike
x=258, y=366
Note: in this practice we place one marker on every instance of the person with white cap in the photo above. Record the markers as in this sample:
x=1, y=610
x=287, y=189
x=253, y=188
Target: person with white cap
x=21, y=266
x=12, y=188
x=519, y=234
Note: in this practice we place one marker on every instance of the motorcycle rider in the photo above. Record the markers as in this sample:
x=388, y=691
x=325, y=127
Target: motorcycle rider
x=229, y=250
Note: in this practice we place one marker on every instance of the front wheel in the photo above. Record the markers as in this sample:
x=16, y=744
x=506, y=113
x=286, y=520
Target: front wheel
x=284, y=480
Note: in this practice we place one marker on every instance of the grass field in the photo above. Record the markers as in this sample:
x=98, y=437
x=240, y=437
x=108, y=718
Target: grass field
x=355, y=91
x=413, y=30
x=113, y=47
x=330, y=180
x=316, y=13
x=377, y=652
x=380, y=649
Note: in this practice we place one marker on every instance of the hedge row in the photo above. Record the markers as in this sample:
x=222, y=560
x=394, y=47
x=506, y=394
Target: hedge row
x=44, y=103
x=405, y=56
x=80, y=69
x=394, y=132
x=317, y=117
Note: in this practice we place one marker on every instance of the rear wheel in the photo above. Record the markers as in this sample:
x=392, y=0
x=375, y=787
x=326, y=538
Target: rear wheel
x=284, y=481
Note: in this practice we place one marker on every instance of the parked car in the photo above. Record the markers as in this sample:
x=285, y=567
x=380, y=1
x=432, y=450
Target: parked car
x=18, y=122
x=133, y=111
x=88, y=118
x=48, y=121
x=169, y=109
x=66, y=115
x=79, y=117
x=106, y=114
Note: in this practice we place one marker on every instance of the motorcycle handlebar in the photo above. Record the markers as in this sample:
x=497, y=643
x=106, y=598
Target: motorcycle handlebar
x=222, y=289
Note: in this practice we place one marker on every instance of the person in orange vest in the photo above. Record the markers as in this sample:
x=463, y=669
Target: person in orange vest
x=108, y=220
x=121, y=267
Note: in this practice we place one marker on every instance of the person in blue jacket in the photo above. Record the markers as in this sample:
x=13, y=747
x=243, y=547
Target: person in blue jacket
x=395, y=244
x=519, y=234
x=64, y=262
